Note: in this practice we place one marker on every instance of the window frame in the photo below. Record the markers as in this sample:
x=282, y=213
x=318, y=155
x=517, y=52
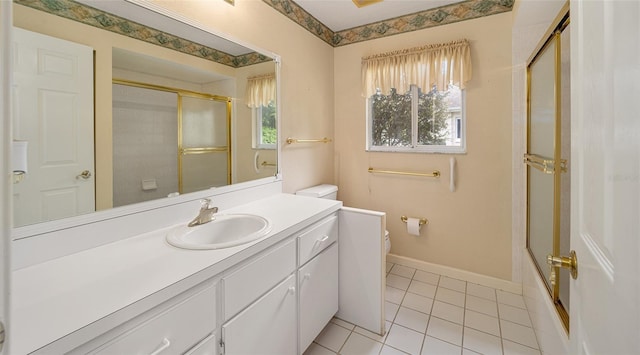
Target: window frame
x=417, y=148
x=256, y=122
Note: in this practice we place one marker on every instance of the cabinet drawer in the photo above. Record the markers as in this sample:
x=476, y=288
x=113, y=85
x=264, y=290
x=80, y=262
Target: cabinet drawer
x=207, y=346
x=254, y=279
x=318, y=292
x=173, y=331
x=316, y=238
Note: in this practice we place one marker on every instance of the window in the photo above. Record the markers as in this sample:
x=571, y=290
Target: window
x=264, y=123
x=261, y=98
x=417, y=121
x=415, y=98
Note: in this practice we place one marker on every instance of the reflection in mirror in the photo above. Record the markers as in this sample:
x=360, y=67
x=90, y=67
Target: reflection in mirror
x=119, y=109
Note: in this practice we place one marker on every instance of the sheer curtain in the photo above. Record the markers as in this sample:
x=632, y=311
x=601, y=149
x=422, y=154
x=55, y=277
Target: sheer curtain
x=260, y=90
x=435, y=64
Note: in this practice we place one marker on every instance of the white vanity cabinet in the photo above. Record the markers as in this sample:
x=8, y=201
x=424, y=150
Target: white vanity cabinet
x=273, y=297
x=317, y=279
x=175, y=327
x=267, y=305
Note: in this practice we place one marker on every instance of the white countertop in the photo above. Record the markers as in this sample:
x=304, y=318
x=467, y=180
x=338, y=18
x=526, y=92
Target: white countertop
x=60, y=296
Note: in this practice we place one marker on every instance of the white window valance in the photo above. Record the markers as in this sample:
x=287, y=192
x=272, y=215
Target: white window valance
x=426, y=66
x=261, y=90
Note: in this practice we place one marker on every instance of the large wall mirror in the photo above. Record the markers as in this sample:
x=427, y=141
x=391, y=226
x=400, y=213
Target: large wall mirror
x=120, y=105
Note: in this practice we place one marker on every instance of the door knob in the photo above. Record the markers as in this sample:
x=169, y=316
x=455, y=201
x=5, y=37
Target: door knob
x=84, y=175
x=568, y=262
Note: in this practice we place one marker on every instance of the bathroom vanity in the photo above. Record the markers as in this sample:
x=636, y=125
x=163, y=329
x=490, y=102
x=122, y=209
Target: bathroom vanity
x=143, y=295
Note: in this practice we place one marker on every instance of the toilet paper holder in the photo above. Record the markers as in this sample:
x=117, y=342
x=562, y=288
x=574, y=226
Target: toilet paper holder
x=423, y=221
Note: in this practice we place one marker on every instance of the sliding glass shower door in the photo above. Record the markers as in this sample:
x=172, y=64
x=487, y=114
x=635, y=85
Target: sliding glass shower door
x=548, y=143
x=204, y=136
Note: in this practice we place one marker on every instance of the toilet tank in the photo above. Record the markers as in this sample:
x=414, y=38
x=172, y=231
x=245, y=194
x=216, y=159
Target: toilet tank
x=321, y=191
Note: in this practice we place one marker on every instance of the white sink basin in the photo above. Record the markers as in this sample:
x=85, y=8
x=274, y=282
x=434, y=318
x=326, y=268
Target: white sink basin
x=227, y=230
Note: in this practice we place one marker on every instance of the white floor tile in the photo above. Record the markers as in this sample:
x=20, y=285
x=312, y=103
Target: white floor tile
x=511, y=299
x=445, y=330
x=387, y=350
x=481, y=291
x=405, y=339
x=315, y=349
x=402, y=271
x=394, y=295
x=482, y=305
x=412, y=319
x=426, y=277
x=448, y=312
x=518, y=333
x=453, y=284
x=482, y=343
x=398, y=281
x=360, y=345
x=377, y=337
x=390, y=310
x=422, y=289
x=433, y=346
x=450, y=296
x=511, y=348
x=342, y=323
x=417, y=302
x=389, y=266
x=514, y=314
x=333, y=337
x=482, y=322
x=469, y=352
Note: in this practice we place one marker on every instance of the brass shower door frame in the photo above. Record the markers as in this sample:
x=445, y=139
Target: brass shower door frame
x=555, y=166
x=189, y=151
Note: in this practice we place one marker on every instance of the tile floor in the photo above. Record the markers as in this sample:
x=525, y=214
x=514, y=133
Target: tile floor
x=432, y=314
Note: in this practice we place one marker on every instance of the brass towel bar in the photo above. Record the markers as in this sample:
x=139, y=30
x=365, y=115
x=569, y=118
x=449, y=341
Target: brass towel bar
x=295, y=140
x=422, y=222
x=435, y=173
x=547, y=166
x=264, y=163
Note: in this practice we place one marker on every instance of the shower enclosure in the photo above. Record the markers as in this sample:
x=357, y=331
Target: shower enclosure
x=548, y=171
x=167, y=140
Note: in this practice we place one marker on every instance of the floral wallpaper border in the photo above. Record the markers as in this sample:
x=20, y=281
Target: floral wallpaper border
x=465, y=10
x=93, y=17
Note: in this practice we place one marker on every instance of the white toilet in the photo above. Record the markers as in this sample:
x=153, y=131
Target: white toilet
x=331, y=192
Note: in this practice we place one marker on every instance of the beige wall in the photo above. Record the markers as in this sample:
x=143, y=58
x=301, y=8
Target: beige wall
x=469, y=229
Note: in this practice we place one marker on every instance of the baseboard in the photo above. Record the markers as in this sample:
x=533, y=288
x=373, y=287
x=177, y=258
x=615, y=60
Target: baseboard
x=468, y=276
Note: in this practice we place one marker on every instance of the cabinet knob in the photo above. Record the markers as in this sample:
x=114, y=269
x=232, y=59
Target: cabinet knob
x=292, y=290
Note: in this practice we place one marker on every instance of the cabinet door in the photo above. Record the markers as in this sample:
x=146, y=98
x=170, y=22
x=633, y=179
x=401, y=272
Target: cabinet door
x=318, y=294
x=268, y=326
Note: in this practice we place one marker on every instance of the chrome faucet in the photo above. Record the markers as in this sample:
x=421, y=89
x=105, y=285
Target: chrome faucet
x=205, y=215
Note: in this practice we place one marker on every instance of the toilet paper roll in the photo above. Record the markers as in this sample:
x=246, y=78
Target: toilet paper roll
x=413, y=226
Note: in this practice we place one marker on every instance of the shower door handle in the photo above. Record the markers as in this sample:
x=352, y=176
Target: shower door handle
x=568, y=262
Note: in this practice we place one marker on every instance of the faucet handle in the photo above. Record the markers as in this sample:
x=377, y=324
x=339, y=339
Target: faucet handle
x=205, y=203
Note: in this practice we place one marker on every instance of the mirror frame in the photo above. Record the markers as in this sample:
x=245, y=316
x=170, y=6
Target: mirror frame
x=37, y=229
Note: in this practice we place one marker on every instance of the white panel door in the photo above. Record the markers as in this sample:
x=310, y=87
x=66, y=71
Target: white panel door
x=53, y=112
x=5, y=190
x=362, y=261
x=605, y=186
